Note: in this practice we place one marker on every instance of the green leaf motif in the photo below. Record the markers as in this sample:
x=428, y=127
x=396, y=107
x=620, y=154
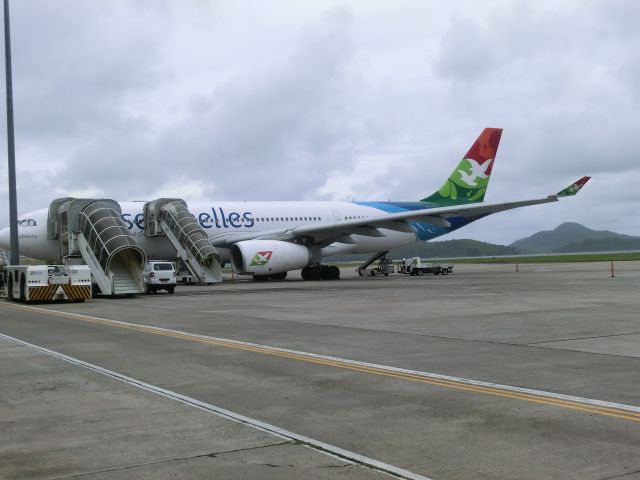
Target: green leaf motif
x=445, y=189
x=478, y=194
x=454, y=192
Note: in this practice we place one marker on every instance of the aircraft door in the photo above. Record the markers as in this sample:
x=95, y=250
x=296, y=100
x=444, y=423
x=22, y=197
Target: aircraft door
x=336, y=216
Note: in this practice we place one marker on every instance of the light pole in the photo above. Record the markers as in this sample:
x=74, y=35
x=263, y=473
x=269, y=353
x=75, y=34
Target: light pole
x=13, y=204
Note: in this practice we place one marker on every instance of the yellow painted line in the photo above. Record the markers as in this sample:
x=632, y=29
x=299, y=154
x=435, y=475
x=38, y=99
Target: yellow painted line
x=630, y=413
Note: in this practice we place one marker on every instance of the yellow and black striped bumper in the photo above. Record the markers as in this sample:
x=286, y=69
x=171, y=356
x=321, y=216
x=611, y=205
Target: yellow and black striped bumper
x=77, y=292
x=42, y=294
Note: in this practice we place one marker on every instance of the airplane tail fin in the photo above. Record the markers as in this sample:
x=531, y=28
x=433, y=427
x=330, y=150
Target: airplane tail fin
x=469, y=180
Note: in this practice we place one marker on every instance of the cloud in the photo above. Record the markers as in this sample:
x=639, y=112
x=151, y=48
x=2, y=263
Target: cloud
x=259, y=124
x=190, y=190
x=133, y=100
x=368, y=177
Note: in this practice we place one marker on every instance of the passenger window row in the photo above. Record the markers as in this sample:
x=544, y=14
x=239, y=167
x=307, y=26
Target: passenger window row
x=288, y=219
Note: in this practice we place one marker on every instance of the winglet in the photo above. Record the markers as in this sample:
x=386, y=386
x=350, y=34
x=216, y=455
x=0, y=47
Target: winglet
x=573, y=188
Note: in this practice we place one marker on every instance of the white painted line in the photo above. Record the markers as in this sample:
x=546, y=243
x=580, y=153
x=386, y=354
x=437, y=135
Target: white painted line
x=431, y=375
x=327, y=449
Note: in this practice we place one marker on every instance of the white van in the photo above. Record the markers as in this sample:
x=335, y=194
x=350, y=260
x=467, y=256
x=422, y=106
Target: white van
x=159, y=275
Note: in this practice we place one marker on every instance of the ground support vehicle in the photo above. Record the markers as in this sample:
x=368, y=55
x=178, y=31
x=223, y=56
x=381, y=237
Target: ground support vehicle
x=364, y=268
x=415, y=266
x=159, y=275
x=183, y=274
x=44, y=283
x=384, y=267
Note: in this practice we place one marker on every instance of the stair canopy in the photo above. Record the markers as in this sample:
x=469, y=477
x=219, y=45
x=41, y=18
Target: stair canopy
x=101, y=223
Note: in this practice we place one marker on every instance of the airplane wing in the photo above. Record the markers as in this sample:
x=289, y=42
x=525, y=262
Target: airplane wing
x=340, y=231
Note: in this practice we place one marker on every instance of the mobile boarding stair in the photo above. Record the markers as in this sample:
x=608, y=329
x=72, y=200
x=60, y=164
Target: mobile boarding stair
x=170, y=217
x=92, y=231
x=362, y=269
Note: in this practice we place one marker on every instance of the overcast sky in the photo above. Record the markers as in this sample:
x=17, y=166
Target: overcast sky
x=364, y=100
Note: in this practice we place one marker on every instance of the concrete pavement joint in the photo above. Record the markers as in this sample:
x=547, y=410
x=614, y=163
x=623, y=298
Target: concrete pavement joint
x=167, y=460
x=584, y=338
x=622, y=475
x=314, y=444
x=574, y=350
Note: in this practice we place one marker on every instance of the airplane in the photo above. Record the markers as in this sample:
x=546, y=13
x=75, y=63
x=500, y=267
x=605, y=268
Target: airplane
x=268, y=239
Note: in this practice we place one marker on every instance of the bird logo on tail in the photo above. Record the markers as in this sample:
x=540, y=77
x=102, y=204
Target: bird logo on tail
x=477, y=172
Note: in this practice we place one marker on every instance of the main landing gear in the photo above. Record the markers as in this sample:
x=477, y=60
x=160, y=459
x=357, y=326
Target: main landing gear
x=321, y=272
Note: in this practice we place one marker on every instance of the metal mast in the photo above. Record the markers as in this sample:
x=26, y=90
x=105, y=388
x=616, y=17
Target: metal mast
x=13, y=204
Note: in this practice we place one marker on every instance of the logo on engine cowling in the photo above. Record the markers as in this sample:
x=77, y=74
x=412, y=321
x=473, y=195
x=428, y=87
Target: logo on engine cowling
x=261, y=258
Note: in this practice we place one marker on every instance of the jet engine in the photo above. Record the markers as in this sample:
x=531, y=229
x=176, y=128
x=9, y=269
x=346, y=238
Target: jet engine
x=267, y=257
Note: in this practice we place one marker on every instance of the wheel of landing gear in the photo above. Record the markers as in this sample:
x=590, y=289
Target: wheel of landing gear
x=278, y=276
x=311, y=273
x=329, y=272
x=304, y=273
x=334, y=272
x=260, y=278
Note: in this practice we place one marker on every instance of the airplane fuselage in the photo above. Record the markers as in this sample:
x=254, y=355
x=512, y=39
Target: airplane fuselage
x=218, y=219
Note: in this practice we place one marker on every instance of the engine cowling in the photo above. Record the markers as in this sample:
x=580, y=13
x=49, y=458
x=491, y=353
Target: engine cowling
x=267, y=257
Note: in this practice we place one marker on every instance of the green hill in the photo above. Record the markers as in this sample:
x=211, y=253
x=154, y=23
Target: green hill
x=602, y=245
x=441, y=249
x=454, y=248
x=573, y=237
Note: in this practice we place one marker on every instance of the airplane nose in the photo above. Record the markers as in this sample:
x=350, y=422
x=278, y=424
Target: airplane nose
x=4, y=238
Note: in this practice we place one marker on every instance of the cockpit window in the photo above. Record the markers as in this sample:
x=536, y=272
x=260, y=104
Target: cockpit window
x=27, y=222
